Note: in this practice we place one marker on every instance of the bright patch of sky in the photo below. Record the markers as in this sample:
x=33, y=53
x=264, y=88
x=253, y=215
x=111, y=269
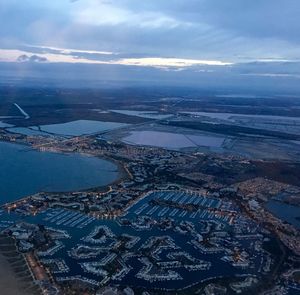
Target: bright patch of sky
x=156, y=33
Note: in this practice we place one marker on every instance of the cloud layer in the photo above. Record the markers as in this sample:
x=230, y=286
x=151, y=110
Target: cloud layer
x=171, y=35
x=197, y=29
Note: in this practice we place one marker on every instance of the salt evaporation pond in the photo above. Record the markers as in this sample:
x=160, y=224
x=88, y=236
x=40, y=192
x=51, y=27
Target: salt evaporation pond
x=4, y=125
x=144, y=114
x=81, y=127
x=173, y=140
x=27, y=131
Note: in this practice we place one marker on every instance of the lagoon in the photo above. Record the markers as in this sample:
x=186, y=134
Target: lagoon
x=286, y=212
x=81, y=127
x=24, y=172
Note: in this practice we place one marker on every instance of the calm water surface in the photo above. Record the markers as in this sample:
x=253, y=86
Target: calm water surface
x=24, y=172
x=233, y=116
x=144, y=114
x=81, y=127
x=172, y=140
x=26, y=131
x=286, y=212
x=4, y=125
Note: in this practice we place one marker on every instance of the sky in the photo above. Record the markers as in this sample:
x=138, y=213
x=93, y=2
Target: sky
x=240, y=39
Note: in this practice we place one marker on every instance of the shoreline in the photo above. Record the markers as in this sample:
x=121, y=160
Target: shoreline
x=121, y=171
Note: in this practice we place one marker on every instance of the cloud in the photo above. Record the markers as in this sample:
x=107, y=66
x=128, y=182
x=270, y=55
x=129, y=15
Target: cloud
x=170, y=62
x=97, y=13
x=60, y=55
x=32, y=58
x=197, y=29
x=72, y=51
x=235, y=37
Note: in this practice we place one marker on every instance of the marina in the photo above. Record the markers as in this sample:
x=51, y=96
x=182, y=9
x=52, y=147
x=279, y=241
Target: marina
x=184, y=232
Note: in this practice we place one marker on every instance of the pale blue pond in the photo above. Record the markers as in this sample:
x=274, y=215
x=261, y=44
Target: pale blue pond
x=4, y=125
x=144, y=114
x=27, y=131
x=81, y=127
x=234, y=116
x=173, y=140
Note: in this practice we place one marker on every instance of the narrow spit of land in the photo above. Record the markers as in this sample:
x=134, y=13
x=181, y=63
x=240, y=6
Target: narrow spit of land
x=15, y=277
x=26, y=116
